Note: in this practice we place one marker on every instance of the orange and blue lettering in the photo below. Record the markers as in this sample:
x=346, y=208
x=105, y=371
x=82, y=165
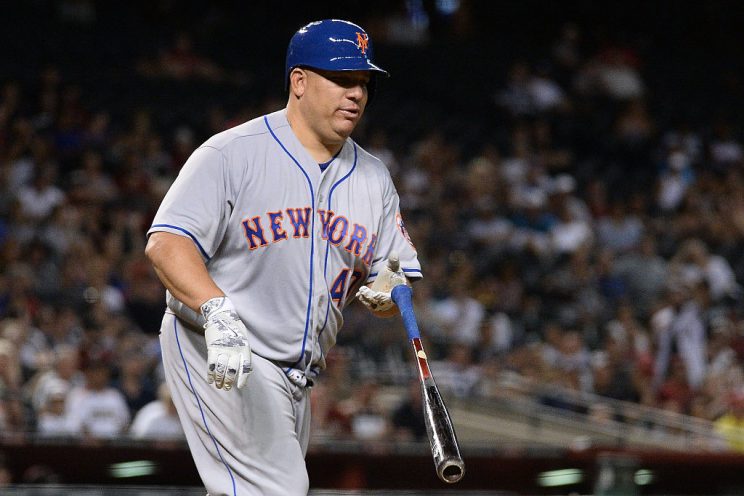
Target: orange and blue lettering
x=300, y=219
x=338, y=288
x=254, y=232
x=275, y=222
x=362, y=42
x=337, y=230
x=325, y=219
x=358, y=237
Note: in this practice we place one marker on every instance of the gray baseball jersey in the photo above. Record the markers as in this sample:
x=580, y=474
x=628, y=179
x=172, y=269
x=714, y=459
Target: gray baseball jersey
x=289, y=245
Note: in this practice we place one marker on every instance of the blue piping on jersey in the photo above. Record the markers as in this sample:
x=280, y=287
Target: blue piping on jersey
x=312, y=242
x=196, y=241
x=201, y=410
x=330, y=195
x=328, y=244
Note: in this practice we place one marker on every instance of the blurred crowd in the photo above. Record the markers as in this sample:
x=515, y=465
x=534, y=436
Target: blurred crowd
x=588, y=241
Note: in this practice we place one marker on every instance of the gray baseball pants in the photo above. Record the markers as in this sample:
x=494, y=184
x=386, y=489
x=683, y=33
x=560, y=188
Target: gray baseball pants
x=244, y=442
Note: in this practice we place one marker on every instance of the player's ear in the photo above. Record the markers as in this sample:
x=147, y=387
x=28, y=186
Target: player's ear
x=297, y=82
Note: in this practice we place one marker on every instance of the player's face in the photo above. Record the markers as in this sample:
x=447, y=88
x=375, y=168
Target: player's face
x=337, y=99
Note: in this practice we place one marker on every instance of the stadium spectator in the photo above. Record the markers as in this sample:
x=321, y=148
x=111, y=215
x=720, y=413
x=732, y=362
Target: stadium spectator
x=644, y=273
x=96, y=410
x=459, y=314
x=498, y=336
x=570, y=232
x=612, y=375
x=378, y=145
x=612, y=72
x=134, y=381
x=680, y=337
x=55, y=325
x=693, y=264
x=563, y=194
x=725, y=150
x=566, y=52
x=457, y=373
x=44, y=268
x=366, y=416
x=325, y=423
x=63, y=369
x=674, y=181
x=14, y=420
x=181, y=62
x=516, y=97
x=11, y=378
x=502, y=289
x=407, y=416
x=158, y=419
x=574, y=358
x=38, y=200
x=51, y=419
x=89, y=183
x=620, y=231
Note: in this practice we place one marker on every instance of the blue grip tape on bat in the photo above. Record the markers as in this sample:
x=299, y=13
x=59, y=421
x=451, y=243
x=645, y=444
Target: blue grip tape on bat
x=402, y=296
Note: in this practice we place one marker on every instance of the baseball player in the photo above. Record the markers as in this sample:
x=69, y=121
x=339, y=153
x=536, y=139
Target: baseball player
x=270, y=229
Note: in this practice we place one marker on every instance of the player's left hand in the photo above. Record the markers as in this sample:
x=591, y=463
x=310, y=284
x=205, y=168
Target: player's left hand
x=377, y=297
x=228, y=351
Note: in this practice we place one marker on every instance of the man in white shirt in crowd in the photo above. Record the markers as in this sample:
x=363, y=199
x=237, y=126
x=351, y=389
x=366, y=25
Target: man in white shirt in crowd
x=158, y=419
x=97, y=410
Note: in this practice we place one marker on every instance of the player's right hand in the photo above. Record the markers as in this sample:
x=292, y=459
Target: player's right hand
x=228, y=350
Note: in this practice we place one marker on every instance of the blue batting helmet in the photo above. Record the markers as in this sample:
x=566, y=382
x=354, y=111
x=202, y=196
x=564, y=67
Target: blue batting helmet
x=331, y=45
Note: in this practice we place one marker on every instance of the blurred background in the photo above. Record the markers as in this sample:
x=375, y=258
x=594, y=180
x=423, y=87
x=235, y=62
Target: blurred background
x=572, y=174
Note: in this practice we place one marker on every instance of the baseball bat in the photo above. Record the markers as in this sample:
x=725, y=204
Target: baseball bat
x=449, y=464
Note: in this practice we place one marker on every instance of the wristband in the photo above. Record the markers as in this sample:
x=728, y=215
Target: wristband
x=216, y=304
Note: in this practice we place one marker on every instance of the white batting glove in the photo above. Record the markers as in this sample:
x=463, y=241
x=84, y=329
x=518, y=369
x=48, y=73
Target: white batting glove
x=377, y=297
x=228, y=350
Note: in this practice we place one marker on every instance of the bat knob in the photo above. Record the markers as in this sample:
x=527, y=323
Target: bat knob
x=451, y=470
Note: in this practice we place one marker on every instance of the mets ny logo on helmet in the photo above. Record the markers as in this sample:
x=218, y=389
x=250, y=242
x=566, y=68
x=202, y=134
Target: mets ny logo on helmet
x=362, y=42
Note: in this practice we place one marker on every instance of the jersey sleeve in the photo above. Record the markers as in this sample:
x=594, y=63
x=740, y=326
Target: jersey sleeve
x=197, y=204
x=394, y=238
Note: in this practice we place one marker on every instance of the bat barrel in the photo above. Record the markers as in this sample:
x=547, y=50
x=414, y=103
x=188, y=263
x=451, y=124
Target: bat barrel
x=451, y=469
x=448, y=463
